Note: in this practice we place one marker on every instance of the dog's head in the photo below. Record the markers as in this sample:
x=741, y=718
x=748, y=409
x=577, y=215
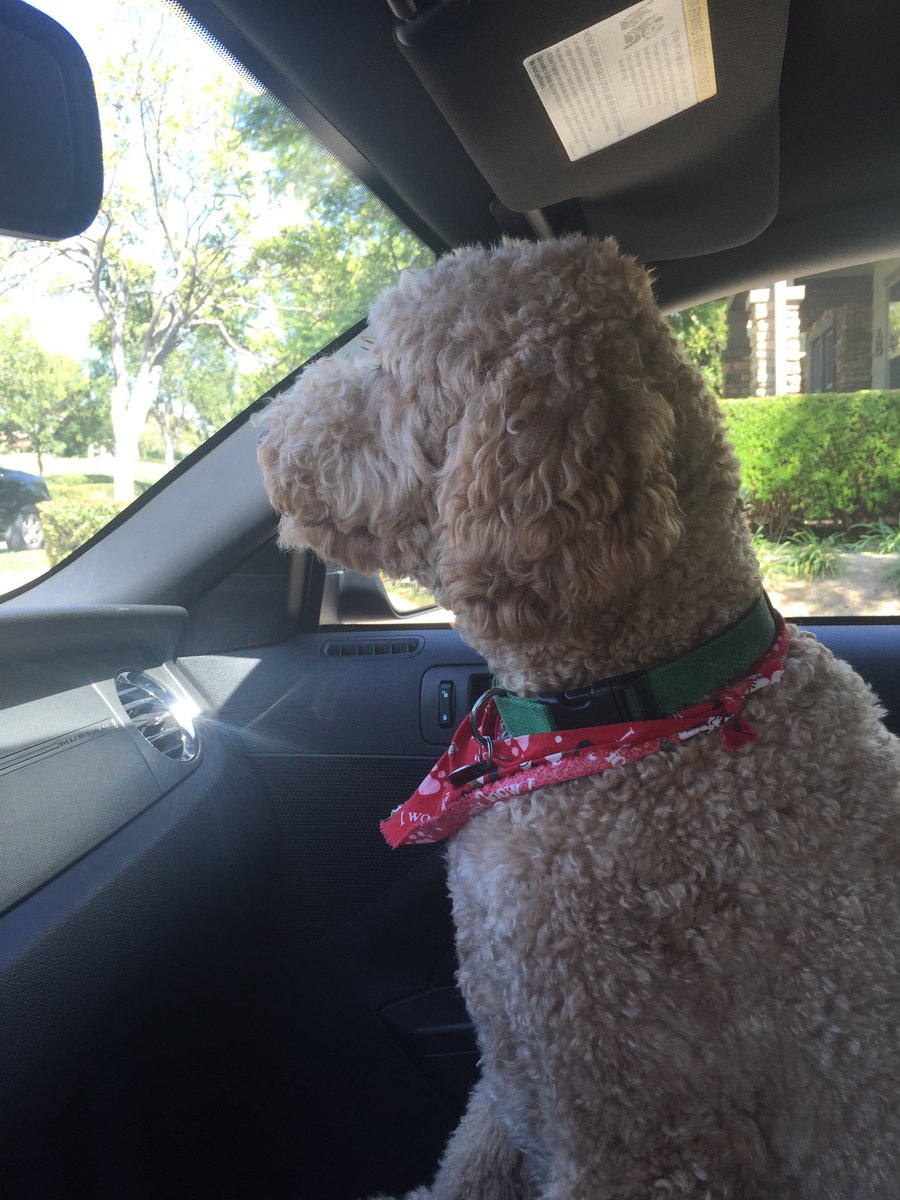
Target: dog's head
x=507, y=438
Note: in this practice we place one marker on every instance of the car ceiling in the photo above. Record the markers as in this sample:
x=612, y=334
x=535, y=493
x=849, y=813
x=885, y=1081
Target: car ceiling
x=759, y=180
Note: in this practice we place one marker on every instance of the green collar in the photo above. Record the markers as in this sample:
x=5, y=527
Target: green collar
x=644, y=695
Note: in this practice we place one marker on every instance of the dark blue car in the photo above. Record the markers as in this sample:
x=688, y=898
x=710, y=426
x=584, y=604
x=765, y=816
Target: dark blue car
x=20, y=521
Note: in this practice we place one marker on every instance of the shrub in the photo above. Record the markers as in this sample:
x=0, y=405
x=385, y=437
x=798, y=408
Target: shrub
x=821, y=457
x=809, y=557
x=69, y=523
x=879, y=538
x=83, y=488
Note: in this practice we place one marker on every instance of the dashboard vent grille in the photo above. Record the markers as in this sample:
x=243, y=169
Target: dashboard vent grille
x=164, y=719
x=371, y=647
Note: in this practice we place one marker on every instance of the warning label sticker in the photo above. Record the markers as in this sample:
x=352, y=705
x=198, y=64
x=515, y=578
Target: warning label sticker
x=626, y=73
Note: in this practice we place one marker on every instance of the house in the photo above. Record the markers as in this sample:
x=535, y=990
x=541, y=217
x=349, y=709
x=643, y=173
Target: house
x=838, y=331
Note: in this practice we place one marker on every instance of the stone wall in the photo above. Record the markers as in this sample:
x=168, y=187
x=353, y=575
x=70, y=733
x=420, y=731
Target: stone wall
x=774, y=333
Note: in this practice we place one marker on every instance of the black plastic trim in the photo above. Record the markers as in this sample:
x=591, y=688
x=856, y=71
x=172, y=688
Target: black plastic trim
x=154, y=630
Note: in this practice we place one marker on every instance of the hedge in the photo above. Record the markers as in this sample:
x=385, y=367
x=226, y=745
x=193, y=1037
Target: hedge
x=69, y=523
x=818, y=458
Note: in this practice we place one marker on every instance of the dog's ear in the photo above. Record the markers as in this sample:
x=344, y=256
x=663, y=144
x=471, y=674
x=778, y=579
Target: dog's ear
x=556, y=492
x=348, y=479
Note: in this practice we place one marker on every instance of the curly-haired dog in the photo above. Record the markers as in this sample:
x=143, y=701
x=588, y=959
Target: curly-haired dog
x=683, y=970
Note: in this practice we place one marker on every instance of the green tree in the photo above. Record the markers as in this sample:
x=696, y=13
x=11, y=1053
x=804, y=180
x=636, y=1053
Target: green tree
x=324, y=272
x=703, y=332
x=198, y=392
x=86, y=423
x=40, y=392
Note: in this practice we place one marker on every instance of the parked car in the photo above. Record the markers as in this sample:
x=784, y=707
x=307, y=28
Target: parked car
x=20, y=521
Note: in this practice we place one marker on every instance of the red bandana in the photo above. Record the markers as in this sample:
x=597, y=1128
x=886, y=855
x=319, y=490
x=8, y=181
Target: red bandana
x=521, y=764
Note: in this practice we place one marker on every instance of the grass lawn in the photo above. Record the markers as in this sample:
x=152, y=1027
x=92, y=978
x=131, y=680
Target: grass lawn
x=20, y=568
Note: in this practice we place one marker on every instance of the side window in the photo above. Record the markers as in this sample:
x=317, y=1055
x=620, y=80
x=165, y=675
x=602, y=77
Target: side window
x=807, y=372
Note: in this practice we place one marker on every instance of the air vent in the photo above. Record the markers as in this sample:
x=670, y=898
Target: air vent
x=164, y=719
x=371, y=647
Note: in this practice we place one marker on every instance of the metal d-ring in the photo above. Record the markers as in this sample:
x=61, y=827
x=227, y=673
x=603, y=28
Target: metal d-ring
x=485, y=758
x=485, y=741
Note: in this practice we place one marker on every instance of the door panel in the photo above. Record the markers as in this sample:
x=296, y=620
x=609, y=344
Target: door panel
x=337, y=741
x=368, y=931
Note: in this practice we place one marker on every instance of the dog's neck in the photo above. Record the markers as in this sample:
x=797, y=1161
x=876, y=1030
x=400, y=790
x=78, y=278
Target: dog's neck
x=705, y=586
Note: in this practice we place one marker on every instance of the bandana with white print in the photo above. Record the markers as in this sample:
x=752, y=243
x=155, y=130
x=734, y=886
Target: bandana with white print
x=441, y=806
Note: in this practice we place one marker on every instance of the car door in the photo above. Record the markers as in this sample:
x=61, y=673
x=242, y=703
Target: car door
x=215, y=978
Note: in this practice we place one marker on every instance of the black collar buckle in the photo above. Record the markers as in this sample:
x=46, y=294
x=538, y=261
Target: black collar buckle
x=606, y=702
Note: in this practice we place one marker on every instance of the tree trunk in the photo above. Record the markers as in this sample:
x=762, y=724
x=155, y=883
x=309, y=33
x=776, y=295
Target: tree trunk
x=125, y=457
x=168, y=446
x=130, y=408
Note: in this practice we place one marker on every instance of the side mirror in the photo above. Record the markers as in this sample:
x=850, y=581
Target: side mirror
x=51, y=161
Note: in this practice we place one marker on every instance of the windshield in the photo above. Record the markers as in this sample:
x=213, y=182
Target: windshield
x=229, y=248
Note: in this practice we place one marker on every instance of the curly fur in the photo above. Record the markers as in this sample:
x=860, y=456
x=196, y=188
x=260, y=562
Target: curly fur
x=683, y=972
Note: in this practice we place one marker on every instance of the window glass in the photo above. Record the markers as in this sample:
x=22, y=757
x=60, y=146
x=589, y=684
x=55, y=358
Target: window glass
x=806, y=373
x=229, y=248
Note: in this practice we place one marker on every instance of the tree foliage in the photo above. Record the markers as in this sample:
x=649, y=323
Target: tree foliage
x=703, y=332
x=169, y=251
x=323, y=270
x=198, y=393
x=171, y=257
x=45, y=399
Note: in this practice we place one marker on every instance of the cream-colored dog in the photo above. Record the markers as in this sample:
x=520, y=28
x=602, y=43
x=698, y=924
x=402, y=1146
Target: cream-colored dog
x=683, y=970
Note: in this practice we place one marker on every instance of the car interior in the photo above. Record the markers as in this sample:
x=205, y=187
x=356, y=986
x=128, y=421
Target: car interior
x=215, y=978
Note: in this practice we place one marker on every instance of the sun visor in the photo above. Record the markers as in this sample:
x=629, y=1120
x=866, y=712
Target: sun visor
x=660, y=118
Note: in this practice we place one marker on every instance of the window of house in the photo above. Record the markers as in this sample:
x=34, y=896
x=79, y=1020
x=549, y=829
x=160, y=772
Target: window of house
x=893, y=338
x=229, y=248
x=822, y=362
